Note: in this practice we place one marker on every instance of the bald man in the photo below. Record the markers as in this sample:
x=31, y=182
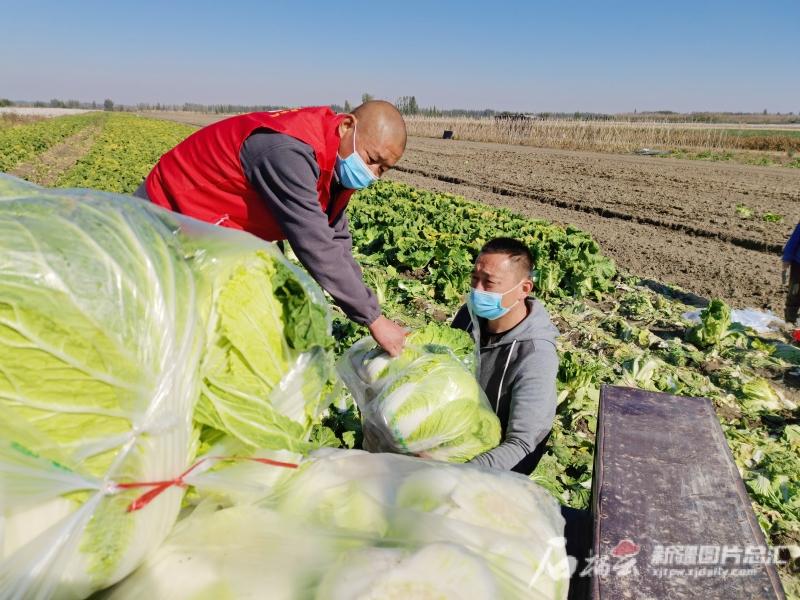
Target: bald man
x=288, y=175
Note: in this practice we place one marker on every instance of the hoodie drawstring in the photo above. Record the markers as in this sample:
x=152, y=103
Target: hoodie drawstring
x=503, y=376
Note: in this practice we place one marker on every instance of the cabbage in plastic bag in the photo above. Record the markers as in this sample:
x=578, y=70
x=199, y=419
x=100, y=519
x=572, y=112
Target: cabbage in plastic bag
x=113, y=314
x=426, y=401
x=349, y=524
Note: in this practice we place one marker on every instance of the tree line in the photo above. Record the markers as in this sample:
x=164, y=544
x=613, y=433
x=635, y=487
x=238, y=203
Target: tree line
x=408, y=105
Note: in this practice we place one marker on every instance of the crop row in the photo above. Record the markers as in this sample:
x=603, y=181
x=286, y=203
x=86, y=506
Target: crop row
x=21, y=143
x=124, y=153
x=435, y=238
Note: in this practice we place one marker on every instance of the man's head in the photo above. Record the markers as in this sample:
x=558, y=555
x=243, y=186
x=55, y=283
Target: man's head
x=379, y=132
x=504, y=267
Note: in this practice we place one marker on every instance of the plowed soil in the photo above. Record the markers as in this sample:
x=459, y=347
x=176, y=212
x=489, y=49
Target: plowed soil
x=670, y=220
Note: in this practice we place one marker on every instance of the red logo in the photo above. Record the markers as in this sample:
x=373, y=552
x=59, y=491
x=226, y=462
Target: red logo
x=796, y=335
x=625, y=548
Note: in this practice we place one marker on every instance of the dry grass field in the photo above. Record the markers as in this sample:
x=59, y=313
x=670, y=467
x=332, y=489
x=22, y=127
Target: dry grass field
x=611, y=136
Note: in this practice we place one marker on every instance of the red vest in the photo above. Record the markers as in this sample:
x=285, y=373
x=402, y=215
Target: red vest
x=202, y=176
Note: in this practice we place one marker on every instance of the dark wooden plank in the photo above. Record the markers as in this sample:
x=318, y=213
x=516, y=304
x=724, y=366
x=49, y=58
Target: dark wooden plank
x=665, y=479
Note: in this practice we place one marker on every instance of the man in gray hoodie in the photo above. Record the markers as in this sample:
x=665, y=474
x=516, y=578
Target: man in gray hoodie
x=518, y=362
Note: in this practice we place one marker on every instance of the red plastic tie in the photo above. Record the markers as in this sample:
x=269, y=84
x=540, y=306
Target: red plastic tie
x=159, y=487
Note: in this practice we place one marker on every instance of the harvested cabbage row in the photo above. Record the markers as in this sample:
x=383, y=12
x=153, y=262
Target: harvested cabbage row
x=352, y=525
x=116, y=317
x=426, y=401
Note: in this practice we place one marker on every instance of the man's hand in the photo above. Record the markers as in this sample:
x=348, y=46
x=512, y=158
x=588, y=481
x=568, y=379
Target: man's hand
x=389, y=335
x=785, y=272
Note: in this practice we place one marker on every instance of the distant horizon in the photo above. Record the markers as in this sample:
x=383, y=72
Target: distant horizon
x=99, y=103
x=726, y=56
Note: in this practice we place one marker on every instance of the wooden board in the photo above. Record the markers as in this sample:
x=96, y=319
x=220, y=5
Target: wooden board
x=665, y=479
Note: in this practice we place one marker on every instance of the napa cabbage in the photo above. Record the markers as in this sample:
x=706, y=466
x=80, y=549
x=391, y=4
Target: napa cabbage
x=129, y=338
x=714, y=327
x=759, y=395
x=424, y=402
x=351, y=524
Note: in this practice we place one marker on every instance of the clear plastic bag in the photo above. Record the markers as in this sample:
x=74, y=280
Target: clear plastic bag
x=115, y=318
x=350, y=525
x=759, y=321
x=424, y=402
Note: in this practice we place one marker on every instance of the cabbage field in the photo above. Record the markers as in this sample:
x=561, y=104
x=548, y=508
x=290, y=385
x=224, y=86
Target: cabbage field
x=416, y=249
x=21, y=143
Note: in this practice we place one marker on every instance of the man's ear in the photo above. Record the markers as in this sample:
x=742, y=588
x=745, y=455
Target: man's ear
x=347, y=124
x=527, y=286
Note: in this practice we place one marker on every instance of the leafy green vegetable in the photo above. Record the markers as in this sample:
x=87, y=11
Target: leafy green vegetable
x=424, y=401
x=475, y=498
x=759, y=395
x=435, y=406
x=239, y=552
x=264, y=389
x=435, y=337
x=440, y=570
x=715, y=322
x=350, y=524
x=98, y=315
x=792, y=435
x=548, y=277
x=636, y=306
x=436, y=237
x=345, y=423
x=787, y=352
x=640, y=372
x=114, y=315
x=675, y=354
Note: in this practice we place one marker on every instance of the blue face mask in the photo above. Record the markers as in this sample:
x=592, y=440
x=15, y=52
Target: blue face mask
x=489, y=305
x=353, y=172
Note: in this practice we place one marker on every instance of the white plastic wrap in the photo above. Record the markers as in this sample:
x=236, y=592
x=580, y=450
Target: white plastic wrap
x=759, y=321
x=425, y=402
x=108, y=313
x=353, y=525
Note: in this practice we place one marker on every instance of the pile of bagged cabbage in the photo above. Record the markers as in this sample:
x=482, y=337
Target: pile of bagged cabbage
x=160, y=383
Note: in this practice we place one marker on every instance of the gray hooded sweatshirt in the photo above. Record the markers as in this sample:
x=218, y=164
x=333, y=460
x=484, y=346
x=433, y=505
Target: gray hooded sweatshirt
x=518, y=370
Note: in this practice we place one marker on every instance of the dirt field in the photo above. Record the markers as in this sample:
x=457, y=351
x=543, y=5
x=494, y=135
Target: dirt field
x=670, y=220
x=673, y=221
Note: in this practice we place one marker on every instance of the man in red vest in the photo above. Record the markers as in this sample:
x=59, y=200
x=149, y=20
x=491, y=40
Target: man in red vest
x=288, y=175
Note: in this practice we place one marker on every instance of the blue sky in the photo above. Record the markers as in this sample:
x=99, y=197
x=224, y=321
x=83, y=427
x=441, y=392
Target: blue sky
x=533, y=56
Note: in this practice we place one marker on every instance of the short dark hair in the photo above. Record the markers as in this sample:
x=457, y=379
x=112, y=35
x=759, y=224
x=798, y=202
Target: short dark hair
x=518, y=252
